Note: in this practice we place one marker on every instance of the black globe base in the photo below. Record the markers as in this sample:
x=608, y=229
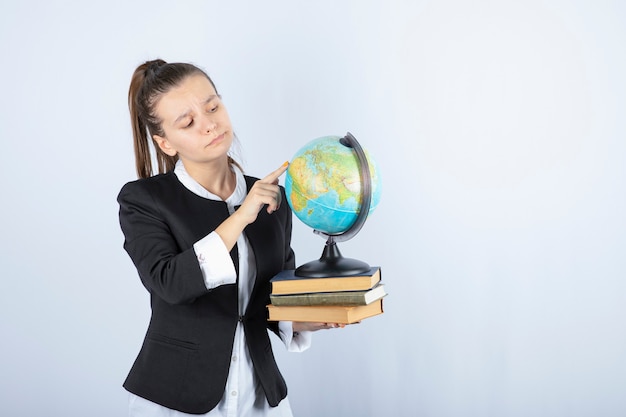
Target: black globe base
x=332, y=264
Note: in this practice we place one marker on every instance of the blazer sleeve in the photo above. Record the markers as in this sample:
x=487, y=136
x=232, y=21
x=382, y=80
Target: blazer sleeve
x=165, y=270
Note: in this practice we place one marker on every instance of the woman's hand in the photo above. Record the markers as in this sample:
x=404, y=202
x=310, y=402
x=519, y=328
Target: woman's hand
x=301, y=326
x=265, y=191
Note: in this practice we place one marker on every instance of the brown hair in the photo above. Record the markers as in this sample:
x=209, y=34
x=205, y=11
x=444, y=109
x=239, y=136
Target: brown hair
x=150, y=81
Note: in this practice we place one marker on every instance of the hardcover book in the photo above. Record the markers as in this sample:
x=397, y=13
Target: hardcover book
x=345, y=298
x=287, y=282
x=325, y=314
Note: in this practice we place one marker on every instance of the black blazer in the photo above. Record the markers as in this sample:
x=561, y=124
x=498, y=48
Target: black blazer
x=184, y=360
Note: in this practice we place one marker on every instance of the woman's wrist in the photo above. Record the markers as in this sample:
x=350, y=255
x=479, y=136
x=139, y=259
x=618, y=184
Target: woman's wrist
x=230, y=229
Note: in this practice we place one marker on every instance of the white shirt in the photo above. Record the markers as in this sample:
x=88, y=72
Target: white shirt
x=243, y=396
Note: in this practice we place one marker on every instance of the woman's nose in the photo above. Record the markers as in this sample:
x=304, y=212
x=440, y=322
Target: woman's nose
x=209, y=124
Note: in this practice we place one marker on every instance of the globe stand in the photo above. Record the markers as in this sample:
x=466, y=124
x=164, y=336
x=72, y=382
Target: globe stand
x=332, y=263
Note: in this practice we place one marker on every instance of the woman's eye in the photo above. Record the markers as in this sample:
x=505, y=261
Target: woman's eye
x=188, y=124
x=213, y=109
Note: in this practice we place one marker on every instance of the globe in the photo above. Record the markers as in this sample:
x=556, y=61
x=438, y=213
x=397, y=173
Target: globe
x=332, y=185
x=323, y=185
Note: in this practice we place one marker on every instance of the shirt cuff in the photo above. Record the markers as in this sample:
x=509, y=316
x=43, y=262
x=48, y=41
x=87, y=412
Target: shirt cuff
x=215, y=261
x=294, y=341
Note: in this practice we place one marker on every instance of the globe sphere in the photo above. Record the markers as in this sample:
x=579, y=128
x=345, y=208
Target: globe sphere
x=323, y=185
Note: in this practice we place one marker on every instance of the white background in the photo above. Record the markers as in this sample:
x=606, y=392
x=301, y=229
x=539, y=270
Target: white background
x=499, y=128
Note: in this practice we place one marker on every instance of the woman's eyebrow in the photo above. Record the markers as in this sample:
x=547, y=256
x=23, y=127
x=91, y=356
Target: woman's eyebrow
x=184, y=115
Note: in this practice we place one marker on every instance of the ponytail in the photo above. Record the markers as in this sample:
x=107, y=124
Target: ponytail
x=143, y=161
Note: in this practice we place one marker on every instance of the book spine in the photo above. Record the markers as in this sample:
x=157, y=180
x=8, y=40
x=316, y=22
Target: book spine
x=319, y=299
x=331, y=314
x=287, y=283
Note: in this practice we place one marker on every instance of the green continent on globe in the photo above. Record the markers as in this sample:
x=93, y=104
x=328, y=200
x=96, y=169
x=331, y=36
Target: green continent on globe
x=323, y=185
x=299, y=172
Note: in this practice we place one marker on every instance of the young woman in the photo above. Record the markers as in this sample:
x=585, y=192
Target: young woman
x=205, y=239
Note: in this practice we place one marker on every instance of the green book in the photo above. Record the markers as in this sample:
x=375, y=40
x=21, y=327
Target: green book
x=336, y=298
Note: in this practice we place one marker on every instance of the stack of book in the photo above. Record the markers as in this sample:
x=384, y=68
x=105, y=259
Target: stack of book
x=344, y=300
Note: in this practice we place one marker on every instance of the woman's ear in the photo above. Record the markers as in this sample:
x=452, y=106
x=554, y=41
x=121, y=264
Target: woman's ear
x=164, y=145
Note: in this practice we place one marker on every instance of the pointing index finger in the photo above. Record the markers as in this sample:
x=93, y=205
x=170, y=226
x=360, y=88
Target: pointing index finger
x=273, y=177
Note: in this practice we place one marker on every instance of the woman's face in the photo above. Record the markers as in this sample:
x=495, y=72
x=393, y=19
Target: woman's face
x=195, y=122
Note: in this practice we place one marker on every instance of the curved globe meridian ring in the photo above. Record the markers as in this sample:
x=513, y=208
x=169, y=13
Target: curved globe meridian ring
x=323, y=185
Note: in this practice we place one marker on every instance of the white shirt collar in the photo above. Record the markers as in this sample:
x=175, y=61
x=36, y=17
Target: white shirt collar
x=236, y=198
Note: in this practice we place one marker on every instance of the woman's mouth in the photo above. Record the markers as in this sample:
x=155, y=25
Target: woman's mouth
x=218, y=139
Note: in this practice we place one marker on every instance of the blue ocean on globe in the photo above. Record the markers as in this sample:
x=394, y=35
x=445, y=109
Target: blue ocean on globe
x=323, y=185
